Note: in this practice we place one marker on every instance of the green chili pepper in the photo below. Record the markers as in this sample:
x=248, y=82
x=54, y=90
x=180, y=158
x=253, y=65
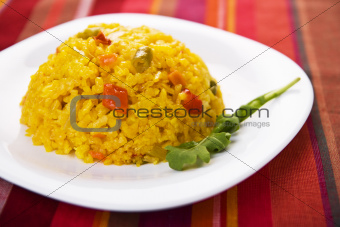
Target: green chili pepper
x=142, y=59
x=213, y=87
x=247, y=110
x=89, y=32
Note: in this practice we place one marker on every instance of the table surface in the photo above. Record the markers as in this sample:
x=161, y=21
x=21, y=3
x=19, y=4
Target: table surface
x=300, y=187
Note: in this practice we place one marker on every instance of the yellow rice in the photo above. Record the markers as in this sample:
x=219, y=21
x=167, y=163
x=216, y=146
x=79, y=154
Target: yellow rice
x=66, y=74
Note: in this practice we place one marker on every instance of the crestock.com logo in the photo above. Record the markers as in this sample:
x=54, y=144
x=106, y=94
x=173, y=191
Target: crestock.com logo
x=73, y=113
x=159, y=113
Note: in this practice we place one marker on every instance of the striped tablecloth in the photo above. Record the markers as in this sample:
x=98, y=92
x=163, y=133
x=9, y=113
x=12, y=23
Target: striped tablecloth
x=300, y=187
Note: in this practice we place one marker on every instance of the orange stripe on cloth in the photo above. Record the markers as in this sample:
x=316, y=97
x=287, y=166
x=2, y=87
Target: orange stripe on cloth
x=2, y=3
x=168, y=8
x=231, y=17
x=155, y=6
x=101, y=219
x=232, y=208
x=54, y=13
x=211, y=13
x=202, y=213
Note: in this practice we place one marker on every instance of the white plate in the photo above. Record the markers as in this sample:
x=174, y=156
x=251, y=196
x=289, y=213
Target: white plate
x=151, y=187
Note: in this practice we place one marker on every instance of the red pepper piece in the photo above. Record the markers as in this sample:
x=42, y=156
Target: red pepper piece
x=102, y=39
x=191, y=102
x=121, y=93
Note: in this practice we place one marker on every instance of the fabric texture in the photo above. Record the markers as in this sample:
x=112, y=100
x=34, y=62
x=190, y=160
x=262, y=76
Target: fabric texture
x=300, y=187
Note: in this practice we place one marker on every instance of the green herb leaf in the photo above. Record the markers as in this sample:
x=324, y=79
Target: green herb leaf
x=227, y=123
x=187, y=153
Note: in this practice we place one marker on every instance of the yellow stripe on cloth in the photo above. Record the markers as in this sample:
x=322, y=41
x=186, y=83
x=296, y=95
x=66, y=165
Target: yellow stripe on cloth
x=3, y=2
x=232, y=214
x=231, y=12
x=101, y=219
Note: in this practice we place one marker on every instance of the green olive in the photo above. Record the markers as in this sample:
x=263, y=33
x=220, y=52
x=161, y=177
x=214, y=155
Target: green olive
x=213, y=87
x=142, y=59
x=89, y=32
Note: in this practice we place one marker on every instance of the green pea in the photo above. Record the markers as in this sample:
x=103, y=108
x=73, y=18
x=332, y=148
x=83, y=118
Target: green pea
x=213, y=87
x=142, y=59
x=89, y=32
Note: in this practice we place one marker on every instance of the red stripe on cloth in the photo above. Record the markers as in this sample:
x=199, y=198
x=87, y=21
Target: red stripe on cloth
x=179, y=217
x=217, y=210
x=123, y=219
x=273, y=25
x=5, y=189
x=223, y=209
x=22, y=208
x=11, y=22
x=136, y=6
x=254, y=202
x=192, y=10
x=107, y=6
x=245, y=18
x=54, y=14
x=70, y=215
x=254, y=198
x=297, y=200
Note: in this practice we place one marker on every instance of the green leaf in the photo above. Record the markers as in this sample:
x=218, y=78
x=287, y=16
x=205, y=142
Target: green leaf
x=187, y=153
x=227, y=123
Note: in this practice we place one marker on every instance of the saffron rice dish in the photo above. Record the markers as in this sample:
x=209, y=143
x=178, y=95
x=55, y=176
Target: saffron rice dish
x=146, y=69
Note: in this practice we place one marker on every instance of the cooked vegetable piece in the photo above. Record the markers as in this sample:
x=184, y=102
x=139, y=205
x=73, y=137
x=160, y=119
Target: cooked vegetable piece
x=121, y=93
x=176, y=78
x=191, y=102
x=157, y=152
x=101, y=38
x=213, y=87
x=142, y=59
x=107, y=59
x=99, y=135
x=97, y=155
x=89, y=32
x=187, y=153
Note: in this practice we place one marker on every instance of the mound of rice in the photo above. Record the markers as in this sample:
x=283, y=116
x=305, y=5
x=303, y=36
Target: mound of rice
x=74, y=70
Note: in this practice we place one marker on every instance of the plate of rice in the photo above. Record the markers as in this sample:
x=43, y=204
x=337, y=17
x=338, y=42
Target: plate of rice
x=65, y=136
